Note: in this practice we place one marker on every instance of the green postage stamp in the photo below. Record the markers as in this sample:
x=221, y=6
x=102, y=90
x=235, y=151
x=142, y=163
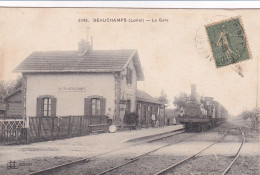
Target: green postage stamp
x=228, y=42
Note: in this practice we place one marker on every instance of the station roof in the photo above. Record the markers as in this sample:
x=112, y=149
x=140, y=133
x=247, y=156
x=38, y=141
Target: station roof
x=91, y=61
x=13, y=93
x=145, y=97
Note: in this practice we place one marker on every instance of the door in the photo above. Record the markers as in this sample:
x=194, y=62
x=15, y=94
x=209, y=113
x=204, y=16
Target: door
x=128, y=106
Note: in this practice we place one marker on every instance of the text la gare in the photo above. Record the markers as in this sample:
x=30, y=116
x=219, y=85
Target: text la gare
x=160, y=20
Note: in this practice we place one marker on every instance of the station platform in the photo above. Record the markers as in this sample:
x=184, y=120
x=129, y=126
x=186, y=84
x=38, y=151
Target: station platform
x=84, y=146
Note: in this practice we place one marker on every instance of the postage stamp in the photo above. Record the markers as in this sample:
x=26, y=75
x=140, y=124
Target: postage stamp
x=228, y=42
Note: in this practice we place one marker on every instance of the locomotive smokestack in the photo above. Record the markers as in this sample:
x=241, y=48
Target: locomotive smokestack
x=193, y=92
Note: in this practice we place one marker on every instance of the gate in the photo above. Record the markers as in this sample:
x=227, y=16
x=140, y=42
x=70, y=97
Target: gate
x=12, y=131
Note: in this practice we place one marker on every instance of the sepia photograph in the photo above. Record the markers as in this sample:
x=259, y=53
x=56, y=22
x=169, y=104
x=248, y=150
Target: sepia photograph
x=129, y=91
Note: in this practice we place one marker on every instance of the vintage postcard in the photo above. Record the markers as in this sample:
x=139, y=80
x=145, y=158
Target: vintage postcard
x=129, y=91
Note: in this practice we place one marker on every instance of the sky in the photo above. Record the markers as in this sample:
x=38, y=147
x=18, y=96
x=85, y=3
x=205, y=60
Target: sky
x=174, y=54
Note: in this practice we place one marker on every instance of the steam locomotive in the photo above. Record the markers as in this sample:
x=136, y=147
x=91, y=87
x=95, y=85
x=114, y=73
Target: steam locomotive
x=201, y=113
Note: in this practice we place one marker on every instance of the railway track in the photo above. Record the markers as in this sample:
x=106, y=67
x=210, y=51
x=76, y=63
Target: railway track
x=237, y=154
x=111, y=170
x=172, y=167
x=142, y=155
x=85, y=160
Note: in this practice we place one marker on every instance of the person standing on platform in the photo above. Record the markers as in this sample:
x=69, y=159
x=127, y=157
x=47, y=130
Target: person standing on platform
x=109, y=117
x=157, y=123
x=174, y=120
x=153, y=119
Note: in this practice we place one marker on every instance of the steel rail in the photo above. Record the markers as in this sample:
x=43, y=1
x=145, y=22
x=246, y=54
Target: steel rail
x=166, y=170
x=48, y=170
x=44, y=171
x=101, y=154
x=218, y=123
x=154, y=140
x=237, y=154
x=138, y=157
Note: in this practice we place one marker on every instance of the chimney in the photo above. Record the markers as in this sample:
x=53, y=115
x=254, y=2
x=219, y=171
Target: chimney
x=84, y=45
x=81, y=47
x=193, y=92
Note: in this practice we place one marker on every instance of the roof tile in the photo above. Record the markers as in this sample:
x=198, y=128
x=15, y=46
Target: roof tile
x=143, y=96
x=93, y=60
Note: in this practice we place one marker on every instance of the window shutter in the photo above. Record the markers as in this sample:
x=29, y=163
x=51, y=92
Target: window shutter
x=53, y=107
x=128, y=75
x=131, y=76
x=102, y=106
x=39, y=107
x=87, y=107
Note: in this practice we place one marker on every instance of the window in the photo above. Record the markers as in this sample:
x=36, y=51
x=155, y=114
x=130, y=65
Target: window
x=95, y=106
x=129, y=75
x=150, y=109
x=46, y=107
x=138, y=107
x=158, y=111
x=128, y=106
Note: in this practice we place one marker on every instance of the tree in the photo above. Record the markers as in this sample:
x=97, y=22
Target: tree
x=8, y=87
x=163, y=98
x=180, y=100
x=253, y=116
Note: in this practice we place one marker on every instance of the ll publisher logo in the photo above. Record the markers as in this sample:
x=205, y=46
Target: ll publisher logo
x=12, y=165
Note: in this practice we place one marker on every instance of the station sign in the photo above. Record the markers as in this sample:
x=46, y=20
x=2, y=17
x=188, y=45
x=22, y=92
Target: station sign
x=72, y=89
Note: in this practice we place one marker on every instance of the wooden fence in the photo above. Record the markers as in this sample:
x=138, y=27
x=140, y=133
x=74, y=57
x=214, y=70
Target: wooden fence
x=51, y=128
x=12, y=131
x=4, y=117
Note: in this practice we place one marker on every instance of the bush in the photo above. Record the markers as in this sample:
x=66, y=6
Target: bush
x=131, y=118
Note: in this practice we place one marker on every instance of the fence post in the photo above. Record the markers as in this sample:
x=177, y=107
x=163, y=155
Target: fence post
x=27, y=130
x=87, y=124
x=80, y=125
x=58, y=126
x=40, y=127
x=52, y=127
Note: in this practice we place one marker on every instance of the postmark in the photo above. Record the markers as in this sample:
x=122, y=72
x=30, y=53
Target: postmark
x=228, y=42
x=201, y=38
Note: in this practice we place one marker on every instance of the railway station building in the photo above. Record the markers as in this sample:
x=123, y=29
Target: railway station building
x=85, y=82
x=148, y=105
